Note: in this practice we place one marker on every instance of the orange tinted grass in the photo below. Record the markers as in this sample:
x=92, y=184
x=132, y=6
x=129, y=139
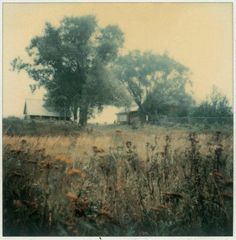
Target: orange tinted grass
x=61, y=147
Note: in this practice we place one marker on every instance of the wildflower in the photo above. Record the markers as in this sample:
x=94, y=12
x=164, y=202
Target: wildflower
x=72, y=196
x=42, y=151
x=23, y=142
x=100, y=150
x=64, y=159
x=73, y=171
x=47, y=164
x=218, y=149
x=105, y=214
x=96, y=150
x=128, y=144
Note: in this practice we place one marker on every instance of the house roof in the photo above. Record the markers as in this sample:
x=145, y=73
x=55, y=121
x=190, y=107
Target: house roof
x=36, y=107
x=129, y=110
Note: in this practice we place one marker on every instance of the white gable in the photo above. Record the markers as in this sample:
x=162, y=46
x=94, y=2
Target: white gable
x=35, y=107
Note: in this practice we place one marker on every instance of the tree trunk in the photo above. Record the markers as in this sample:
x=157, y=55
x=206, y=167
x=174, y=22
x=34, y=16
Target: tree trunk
x=142, y=112
x=83, y=115
x=75, y=114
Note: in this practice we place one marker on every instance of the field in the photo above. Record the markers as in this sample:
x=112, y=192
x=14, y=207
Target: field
x=118, y=181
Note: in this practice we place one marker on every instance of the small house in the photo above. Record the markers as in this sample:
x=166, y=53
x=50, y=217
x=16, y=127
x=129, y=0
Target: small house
x=128, y=117
x=35, y=109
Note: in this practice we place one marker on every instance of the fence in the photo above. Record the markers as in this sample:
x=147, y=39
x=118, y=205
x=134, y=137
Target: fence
x=192, y=120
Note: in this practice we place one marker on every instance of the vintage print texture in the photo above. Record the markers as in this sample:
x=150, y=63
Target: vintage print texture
x=117, y=119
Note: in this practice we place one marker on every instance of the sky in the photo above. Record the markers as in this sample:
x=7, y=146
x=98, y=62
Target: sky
x=198, y=35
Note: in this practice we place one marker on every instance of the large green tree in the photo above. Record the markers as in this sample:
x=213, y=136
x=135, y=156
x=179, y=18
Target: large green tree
x=157, y=83
x=74, y=63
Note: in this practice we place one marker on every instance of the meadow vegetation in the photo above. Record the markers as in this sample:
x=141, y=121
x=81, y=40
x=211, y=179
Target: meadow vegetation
x=117, y=181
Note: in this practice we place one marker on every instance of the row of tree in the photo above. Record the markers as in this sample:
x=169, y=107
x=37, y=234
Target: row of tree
x=80, y=66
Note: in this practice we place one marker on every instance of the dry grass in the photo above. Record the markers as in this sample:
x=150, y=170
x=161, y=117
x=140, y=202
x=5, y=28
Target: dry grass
x=79, y=148
x=152, y=181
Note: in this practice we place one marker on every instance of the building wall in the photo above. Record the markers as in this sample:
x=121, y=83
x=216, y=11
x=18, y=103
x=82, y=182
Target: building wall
x=128, y=118
x=123, y=118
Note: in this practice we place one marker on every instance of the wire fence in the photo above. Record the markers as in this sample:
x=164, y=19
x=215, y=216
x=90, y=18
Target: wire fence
x=192, y=120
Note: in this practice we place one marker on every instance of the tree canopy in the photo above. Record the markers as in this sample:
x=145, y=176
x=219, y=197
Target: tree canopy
x=79, y=65
x=157, y=83
x=74, y=63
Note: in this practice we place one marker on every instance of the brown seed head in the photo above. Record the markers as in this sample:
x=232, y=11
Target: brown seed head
x=128, y=144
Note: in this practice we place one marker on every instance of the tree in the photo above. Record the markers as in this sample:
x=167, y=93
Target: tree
x=157, y=83
x=170, y=98
x=74, y=63
x=216, y=107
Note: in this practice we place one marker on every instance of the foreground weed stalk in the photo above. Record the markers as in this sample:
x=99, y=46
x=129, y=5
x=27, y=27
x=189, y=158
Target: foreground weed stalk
x=174, y=191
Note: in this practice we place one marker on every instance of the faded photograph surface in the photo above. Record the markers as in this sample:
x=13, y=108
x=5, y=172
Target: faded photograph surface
x=117, y=119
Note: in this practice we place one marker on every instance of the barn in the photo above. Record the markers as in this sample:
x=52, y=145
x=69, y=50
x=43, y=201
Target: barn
x=35, y=109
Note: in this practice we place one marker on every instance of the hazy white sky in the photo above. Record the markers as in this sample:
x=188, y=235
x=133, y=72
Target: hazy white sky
x=199, y=35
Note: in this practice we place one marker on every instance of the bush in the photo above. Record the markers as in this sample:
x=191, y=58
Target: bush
x=215, y=109
x=20, y=127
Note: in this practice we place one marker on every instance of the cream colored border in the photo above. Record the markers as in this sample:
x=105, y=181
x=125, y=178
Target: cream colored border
x=234, y=108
